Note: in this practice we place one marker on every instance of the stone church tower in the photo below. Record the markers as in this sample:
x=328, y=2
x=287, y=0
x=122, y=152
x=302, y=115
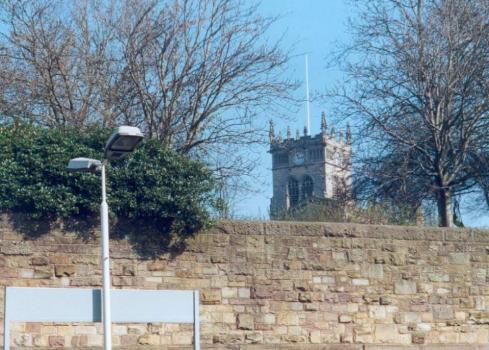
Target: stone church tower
x=307, y=167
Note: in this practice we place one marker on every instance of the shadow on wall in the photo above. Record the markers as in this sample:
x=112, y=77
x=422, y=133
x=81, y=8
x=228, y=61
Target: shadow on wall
x=33, y=228
x=149, y=239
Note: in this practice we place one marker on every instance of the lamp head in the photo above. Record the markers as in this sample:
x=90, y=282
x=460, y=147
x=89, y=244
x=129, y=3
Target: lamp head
x=85, y=165
x=123, y=141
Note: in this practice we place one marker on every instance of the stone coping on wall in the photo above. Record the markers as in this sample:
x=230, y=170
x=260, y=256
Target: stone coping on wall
x=350, y=230
x=243, y=227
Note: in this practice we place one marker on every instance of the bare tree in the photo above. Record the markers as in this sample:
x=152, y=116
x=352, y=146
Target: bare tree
x=56, y=60
x=198, y=69
x=198, y=75
x=418, y=84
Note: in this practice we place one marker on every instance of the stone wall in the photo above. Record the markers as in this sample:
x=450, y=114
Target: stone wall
x=271, y=285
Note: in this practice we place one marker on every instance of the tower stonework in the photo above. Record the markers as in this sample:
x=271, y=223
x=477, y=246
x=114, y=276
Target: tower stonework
x=307, y=167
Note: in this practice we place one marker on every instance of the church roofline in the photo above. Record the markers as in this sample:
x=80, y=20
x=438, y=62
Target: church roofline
x=305, y=141
x=326, y=137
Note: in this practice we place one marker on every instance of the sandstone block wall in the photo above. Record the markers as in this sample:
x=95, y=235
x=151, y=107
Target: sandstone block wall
x=271, y=285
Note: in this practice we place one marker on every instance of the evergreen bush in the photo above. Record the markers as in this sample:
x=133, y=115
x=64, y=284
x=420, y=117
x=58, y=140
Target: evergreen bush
x=153, y=185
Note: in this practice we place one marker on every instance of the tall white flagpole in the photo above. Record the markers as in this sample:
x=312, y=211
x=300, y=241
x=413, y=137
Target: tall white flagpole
x=308, y=120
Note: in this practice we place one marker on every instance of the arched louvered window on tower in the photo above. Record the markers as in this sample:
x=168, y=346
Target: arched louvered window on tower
x=307, y=187
x=293, y=192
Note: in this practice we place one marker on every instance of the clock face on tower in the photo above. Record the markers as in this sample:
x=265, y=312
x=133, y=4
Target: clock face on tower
x=298, y=158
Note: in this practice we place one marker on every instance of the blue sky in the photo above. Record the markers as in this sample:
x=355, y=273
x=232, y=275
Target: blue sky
x=312, y=27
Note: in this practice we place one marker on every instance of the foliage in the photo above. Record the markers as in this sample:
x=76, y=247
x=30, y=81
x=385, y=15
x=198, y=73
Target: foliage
x=333, y=210
x=159, y=185
x=388, y=213
x=316, y=209
x=153, y=185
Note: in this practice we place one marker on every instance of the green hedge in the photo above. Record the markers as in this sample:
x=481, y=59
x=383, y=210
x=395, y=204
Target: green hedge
x=153, y=185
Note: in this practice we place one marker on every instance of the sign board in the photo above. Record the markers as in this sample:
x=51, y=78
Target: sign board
x=85, y=305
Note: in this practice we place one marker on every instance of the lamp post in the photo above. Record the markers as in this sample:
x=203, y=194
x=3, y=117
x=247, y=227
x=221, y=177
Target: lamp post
x=123, y=141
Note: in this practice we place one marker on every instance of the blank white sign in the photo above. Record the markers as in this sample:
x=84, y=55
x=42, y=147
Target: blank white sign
x=84, y=305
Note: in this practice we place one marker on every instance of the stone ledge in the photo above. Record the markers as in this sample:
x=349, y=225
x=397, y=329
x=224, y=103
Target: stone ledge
x=271, y=228
x=350, y=230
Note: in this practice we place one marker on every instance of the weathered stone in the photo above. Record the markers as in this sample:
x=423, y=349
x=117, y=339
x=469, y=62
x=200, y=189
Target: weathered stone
x=315, y=337
x=442, y=312
x=64, y=270
x=423, y=327
x=386, y=300
x=288, y=318
x=297, y=253
x=228, y=292
x=345, y=319
x=397, y=259
x=301, y=285
x=149, y=339
x=305, y=297
x=374, y=271
x=210, y=296
x=362, y=337
x=22, y=340
x=16, y=248
x=129, y=270
x=371, y=298
x=269, y=319
x=311, y=307
x=407, y=317
x=245, y=322
x=360, y=282
x=56, y=341
x=459, y=258
x=418, y=338
x=339, y=256
x=328, y=280
x=43, y=273
x=346, y=338
x=261, y=292
x=439, y=277
x=244, y=293
x=436, y=299
x=389, y=333
x=157, y=265
x=294, y=339
x=480, y=303
x=356, y=256
x=182, y=338
x=405, y=287
x=39, y=261
x=479, y=317
x=254, y=337
x=425, y=288
x=231, y=338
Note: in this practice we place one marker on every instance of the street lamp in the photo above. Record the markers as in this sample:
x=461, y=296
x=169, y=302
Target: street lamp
x=123, y=141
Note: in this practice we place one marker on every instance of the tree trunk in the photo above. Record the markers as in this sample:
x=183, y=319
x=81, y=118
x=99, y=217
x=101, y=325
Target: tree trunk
x=445, y=212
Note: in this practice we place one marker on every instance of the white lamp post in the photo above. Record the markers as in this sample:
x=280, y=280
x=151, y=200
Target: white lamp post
x=123, y=141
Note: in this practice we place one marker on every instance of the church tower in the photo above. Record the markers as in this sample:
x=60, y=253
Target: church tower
x=307, y=167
